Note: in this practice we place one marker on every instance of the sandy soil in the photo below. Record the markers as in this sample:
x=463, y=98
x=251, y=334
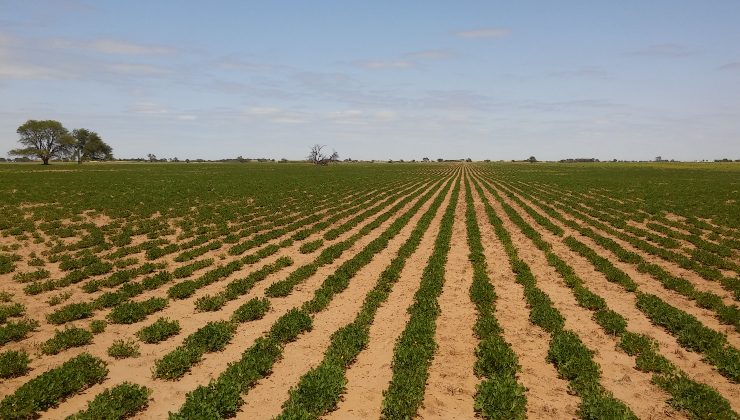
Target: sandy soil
x=547, y=395
x=370, y=374
x=451, y=384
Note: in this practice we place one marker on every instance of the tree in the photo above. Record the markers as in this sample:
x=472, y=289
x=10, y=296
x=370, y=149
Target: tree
x=532, y=159
x=89, y=146
x=44, y=139
x=152, y=157
x=318, y=157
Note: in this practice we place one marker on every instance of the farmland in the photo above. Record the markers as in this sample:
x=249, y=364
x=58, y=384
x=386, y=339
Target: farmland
x=449, y=290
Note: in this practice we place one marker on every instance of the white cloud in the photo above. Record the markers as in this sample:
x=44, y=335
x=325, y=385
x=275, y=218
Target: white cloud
x=484, y=33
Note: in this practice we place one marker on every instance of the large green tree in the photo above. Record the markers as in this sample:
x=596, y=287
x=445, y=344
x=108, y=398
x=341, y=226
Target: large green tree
x=89, y=146
x=43, y=139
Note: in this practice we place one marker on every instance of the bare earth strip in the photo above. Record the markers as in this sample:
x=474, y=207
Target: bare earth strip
x=618, y=374
x=547, y=395
x=265, y=399
x=451, y=384
x=370, y=374
x=625, y=304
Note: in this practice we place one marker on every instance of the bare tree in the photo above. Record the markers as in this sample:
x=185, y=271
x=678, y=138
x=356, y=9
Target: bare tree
x=318, y=157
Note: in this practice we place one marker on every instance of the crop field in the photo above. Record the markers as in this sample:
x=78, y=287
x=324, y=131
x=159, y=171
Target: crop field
x=291, y=291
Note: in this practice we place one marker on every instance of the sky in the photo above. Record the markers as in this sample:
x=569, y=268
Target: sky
x=379, y=79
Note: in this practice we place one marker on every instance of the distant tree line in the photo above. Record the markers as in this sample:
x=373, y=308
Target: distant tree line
x=48, y=139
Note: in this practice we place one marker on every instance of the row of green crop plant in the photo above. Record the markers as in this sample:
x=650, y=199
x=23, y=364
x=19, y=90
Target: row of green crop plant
x=285, y=286
x=239, y=287
x=297, y=224
x=695, y=398
x=697, y=228
x=572, y=359
x=706, y=252
x=179, y=291
x=222, y=397
x=726, y=314
x=53, y=386
x=82, y=310
x=111, y=299
x=499, y=395
x=321, y=388
x=706, y=263
x=709, y=273
x=689, y=331
x=210, y=338
x=415, y=347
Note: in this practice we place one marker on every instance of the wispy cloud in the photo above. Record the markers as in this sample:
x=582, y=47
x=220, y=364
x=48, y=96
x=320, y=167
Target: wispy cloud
x=491, y=32
x=113, y=46
x=383, y=64
x=408, y=60
x=730, y=66
x=148, y=108
x=431, y=55
x=664, y=50
x=105, y=46
x=583, y=72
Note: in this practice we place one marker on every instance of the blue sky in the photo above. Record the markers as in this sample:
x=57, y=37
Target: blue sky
x=381, y=79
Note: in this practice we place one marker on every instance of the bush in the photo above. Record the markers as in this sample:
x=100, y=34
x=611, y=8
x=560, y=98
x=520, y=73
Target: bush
x=121, y=349
x=160, y=330
x=119, y=402
x=13, y=364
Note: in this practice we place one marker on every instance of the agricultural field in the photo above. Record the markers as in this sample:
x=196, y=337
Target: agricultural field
x=290, y=291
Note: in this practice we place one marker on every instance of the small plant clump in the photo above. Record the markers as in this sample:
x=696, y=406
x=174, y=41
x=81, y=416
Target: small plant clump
x=121, y=349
